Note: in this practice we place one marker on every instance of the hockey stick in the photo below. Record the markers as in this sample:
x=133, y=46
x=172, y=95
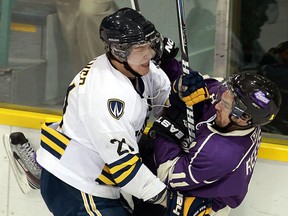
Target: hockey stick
x=135, y=5
x=185, y=62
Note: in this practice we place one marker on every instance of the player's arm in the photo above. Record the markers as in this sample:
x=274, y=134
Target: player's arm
x=186, y=171
x=168, y=63
x=115, y=141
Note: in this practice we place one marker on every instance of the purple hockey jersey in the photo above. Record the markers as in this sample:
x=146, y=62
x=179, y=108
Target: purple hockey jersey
x=218, y=166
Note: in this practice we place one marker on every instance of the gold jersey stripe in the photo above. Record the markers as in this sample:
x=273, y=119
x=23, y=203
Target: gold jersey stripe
x=52, y=145
x=106, y=169
x=124, y=175
x=56, y=134
x=105, y=180
x=130, y=162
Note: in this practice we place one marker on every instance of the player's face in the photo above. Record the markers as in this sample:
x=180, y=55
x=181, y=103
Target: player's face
x=223, y=109
x=139, y=58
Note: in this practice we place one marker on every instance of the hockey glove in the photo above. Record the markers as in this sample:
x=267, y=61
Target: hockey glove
x=180, y=204
x=171, y=125
x=170, y=50
x=191, y=88
x=159, y=198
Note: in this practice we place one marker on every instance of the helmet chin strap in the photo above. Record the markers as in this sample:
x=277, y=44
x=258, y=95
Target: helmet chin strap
x=127, y=67
x=125, y=64
x=229, y=126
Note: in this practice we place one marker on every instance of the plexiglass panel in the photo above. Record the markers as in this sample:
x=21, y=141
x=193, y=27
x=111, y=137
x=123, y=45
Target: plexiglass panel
x=224, y=37
x=259, y=44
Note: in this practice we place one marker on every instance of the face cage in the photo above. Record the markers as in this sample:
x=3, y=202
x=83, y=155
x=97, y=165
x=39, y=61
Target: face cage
x=122, y=51
x=238, y=108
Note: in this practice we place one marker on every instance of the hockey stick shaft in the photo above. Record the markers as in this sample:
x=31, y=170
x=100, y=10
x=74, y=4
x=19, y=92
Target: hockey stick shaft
x=185, y=62
x=135, y=5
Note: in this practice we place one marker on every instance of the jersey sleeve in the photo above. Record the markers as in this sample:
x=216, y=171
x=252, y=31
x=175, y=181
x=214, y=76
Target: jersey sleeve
x=173, y=69
x=113, y=136
x=187, y=171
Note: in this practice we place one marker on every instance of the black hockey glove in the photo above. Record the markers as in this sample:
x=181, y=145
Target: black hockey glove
x=194, y=206
x=159, y=198
x=191, y=88
x=169, y=50
x=171, y=125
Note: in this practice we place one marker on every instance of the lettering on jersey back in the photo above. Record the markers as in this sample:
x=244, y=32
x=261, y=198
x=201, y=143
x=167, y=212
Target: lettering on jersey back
x=84, y=72
x=251, y=161
x=116, y=108
x=123, y=147
x=83, y=76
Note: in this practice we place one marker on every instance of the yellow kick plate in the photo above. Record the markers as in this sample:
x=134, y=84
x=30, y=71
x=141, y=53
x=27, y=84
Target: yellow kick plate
x=268, y=149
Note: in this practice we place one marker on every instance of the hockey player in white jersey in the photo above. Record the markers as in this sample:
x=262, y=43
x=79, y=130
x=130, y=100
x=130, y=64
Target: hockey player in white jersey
x=93, y=152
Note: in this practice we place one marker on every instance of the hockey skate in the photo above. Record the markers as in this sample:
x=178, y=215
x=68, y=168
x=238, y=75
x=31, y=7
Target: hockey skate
x=22, y=160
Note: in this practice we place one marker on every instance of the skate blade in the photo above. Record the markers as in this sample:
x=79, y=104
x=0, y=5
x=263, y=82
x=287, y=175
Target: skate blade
x=20, y=175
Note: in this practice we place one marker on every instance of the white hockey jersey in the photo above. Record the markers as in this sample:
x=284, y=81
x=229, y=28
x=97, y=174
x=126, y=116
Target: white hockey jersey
x=94, y=148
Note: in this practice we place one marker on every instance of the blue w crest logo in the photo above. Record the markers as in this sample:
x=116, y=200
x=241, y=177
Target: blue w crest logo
x=116, y=108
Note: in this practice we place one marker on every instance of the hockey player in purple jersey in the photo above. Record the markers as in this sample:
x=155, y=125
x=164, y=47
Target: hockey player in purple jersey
x=212, y=174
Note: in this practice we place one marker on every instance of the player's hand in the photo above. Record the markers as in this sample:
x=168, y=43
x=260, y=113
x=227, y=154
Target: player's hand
x=193, y=205
x=159, y=198
x=169, y=50
x=191, y=88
